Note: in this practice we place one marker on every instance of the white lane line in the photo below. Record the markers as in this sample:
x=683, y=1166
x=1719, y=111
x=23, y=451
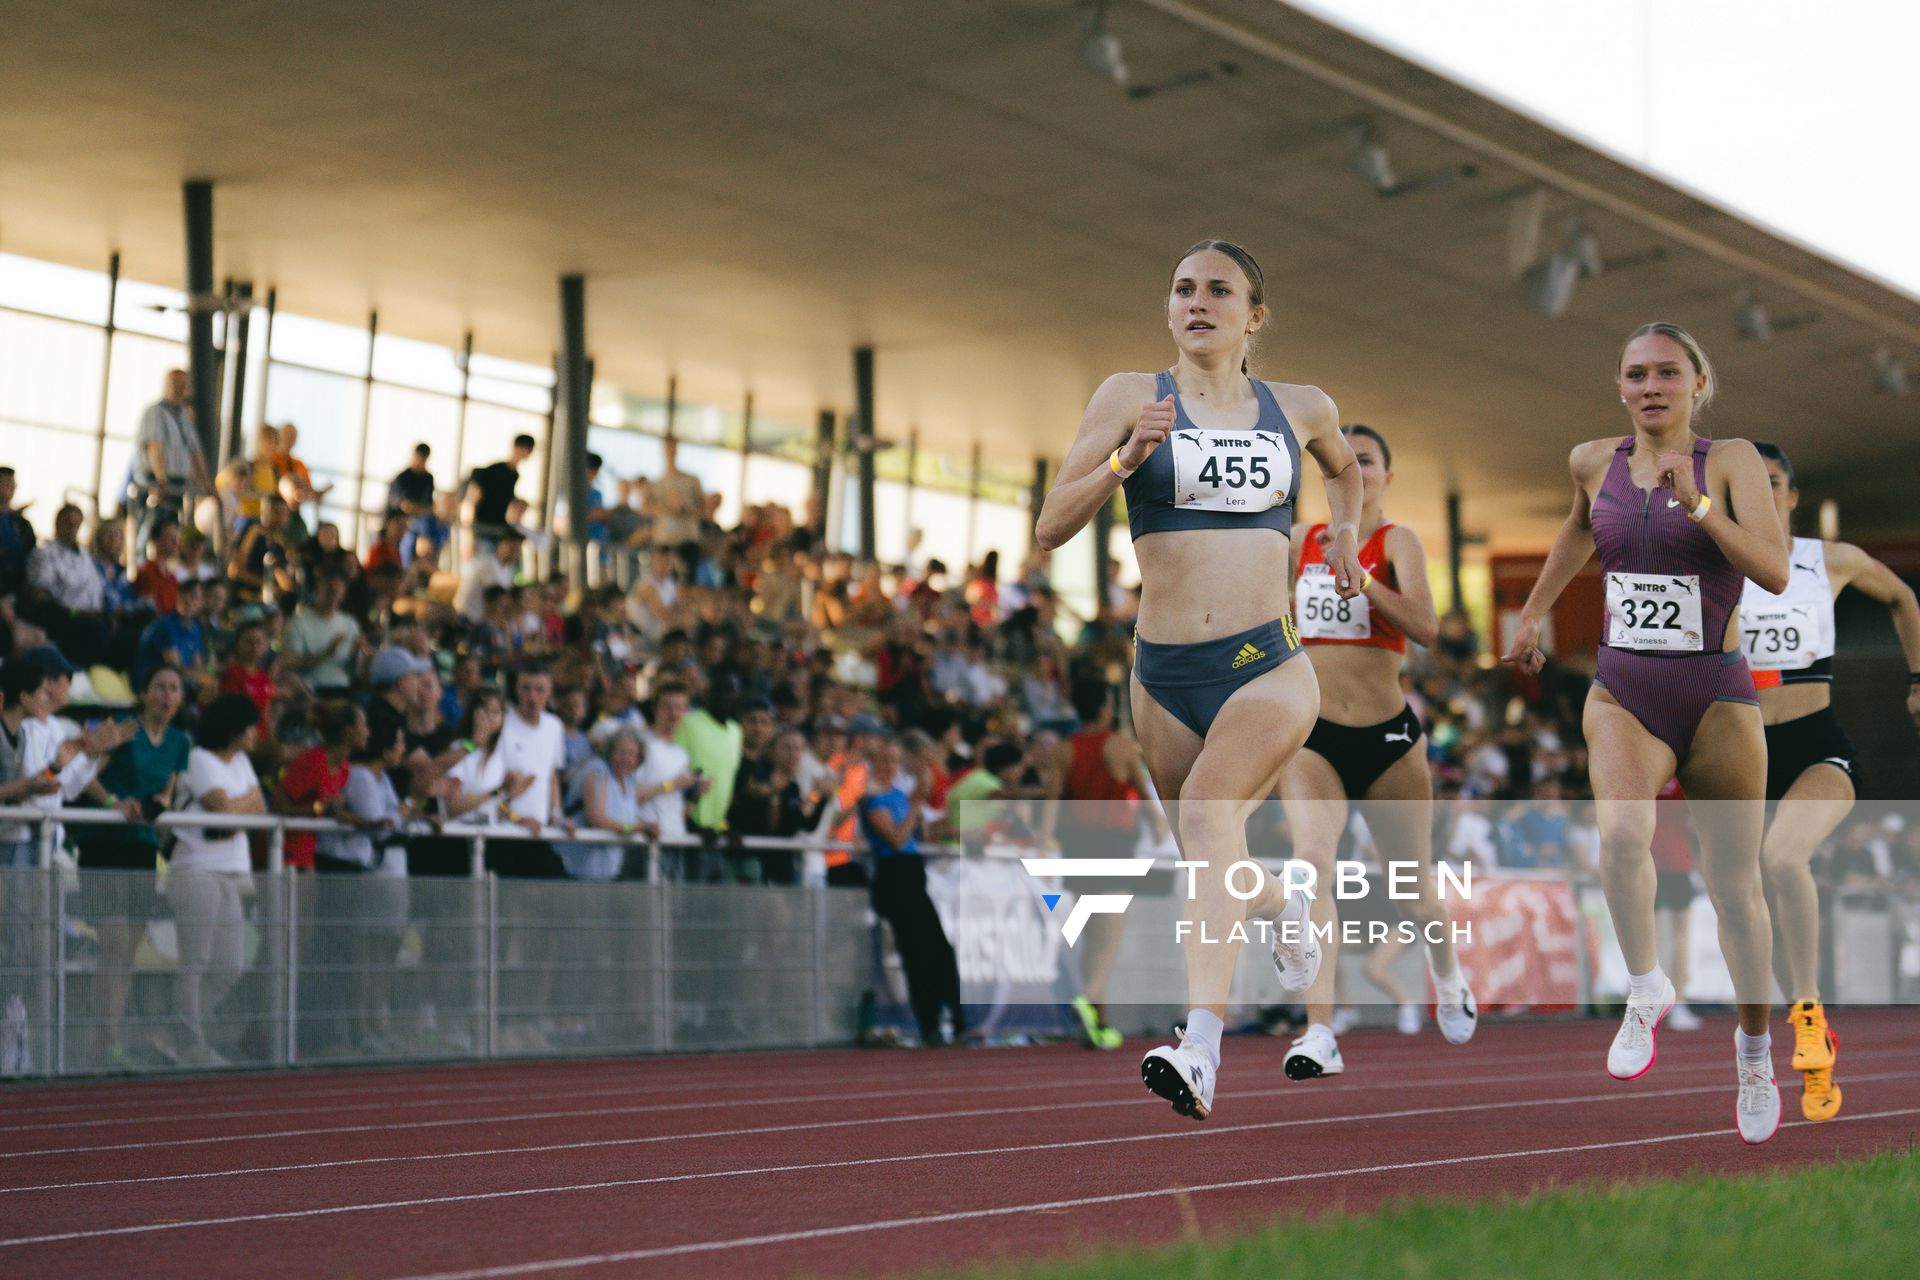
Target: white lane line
x=655, y=1070
x=1355, y=1117
x=595, y=1112
x=706, y=1246
x=640, y=1070
x=626, y=1091
x=1082, y=1202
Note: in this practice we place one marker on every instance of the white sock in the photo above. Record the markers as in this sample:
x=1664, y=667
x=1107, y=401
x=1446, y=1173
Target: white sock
x=1203, y=1032
x=1753, y=1049
x=1644, y=986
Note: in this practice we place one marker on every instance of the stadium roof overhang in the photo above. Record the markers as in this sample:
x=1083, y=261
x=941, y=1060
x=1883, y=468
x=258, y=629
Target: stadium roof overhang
x=754, y=188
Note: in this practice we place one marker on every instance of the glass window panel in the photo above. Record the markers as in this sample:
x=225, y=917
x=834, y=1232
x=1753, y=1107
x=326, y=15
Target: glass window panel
x=486, y=366
x=52, y=467
x=1072, y=573
x=718, y=471
x=942, y=521
x=1121, y=546
x=401, y=419
x=320, y=343
x=140, y=367
x=116, y=472
x=52, y=289
x=426, y=365
x=773, y=480
x=890, y=521
x=704, y=424
x=50, y=372
x=490, y=433
x=513, y=395
x=1003, y=528
x=626, y=455
x=151, y=309
x=326, y=407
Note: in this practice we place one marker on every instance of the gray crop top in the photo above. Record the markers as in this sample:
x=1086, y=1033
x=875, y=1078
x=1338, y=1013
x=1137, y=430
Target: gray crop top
x=1229, y=479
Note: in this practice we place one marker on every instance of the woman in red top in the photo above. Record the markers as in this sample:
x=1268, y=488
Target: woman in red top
x=313, y=781
x=246, y=674
x=1367, y=746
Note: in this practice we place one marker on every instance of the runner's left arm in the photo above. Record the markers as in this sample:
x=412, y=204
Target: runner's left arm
x=1410, y=608
x=1849, y=566
x=1747, y=532
x=1317, y=424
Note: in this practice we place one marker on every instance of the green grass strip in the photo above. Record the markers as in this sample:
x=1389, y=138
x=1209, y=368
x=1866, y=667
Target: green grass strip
x=1857, y=1219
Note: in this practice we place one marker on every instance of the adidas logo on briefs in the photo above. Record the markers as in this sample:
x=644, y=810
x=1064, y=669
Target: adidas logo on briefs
x=1247, y=654
x=1289, y=632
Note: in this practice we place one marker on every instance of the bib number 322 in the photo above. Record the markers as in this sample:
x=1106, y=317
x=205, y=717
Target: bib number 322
x=1656, y=613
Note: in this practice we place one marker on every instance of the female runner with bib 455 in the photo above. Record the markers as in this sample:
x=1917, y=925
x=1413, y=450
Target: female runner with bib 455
x=1210, y=460
x=1679, y=522
x=1788, y=639
x=1367, y=746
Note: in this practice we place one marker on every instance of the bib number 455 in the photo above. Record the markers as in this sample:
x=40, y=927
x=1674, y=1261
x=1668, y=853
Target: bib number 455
x=1233, y=472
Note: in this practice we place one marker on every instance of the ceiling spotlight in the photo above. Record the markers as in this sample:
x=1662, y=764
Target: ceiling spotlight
x=1549, y=285
x=1375, y=167
x=1753, y=321
x=1370, y=159
x=1889, y=375
x=1101, y=50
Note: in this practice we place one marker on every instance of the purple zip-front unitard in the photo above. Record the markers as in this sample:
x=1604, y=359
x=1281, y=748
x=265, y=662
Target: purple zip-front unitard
x=1640, y=531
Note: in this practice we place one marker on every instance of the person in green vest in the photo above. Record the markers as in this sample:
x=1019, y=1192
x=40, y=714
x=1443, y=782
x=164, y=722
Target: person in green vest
x=712, y=738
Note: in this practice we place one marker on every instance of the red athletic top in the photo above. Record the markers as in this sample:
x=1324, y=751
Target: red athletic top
x=1672, y=842
x=1088, y=778
x=1373, y=558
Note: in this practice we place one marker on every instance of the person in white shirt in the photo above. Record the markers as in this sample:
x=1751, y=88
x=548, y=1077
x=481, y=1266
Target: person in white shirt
x=665, y=776
x=51, y=743
x=492, y=565
x=379, y=896
x=322, y=643
x=532, y=742
x=480, y=780
x=210, y=868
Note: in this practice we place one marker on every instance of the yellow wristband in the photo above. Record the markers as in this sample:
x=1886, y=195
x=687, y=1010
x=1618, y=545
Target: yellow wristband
x=1366, y=578
x=1113, y=464
x=1699, y=512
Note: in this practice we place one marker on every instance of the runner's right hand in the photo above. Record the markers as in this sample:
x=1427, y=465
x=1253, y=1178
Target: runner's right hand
x=1155, y=421
x=1525, y=652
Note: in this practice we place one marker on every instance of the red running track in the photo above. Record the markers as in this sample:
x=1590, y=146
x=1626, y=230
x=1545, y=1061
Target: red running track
x=842, y=1162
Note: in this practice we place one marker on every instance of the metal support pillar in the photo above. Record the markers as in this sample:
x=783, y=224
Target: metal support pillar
x=1036, y=497
x=572, y=398
x=239, y=331
x=822, y=476
x=973, y=504
x=202, y=366
x=266, y=366
x=1102, y=556
x=746, y=452
x=913, y=469
x=366, y=433
x=865, y=436
x=100, y=423
x=1456, y=540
